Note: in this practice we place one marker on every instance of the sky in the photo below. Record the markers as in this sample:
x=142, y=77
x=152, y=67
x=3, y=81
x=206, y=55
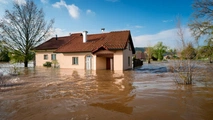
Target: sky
x=149, y=21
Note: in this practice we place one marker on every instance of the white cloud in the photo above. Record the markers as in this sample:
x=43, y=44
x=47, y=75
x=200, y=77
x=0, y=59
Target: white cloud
x=90, y=12
x=58, y=4
x=4, y=1
x=60, y=32
x=166, y=21
x=168, y=37
x=138, y=26
x=44, y=1
x=73, y=10
x=20, y=2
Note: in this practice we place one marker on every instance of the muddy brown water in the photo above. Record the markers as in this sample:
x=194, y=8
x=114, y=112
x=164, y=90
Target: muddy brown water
x=68, y=94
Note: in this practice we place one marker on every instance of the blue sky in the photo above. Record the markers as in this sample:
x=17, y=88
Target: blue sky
x=149, y=21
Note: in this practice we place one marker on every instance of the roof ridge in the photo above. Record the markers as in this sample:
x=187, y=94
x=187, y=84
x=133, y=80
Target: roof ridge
x=121, y=31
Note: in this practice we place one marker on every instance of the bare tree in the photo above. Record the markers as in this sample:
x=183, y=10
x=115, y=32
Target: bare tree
x=180, y=32
x=149, y=52
x=202, y=24
x=202, y=18
x=23, y=28
x=184, y=67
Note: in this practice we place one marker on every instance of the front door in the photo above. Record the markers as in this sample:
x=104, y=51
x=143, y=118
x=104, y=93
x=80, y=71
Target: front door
x=108, y=65
x=88, y=62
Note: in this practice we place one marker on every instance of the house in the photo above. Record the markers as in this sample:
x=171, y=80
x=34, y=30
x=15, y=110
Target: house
x=140, y=53
x=111, y=51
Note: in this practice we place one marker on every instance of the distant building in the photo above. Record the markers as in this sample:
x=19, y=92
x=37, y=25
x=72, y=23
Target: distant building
x=140, y=53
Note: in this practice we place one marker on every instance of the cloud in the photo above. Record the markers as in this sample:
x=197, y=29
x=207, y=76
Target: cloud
x=59, y=4
x=138, y=26
x=73, y=10
x=90, y=12
x=44, y=1
x=60, y=32
x=20, y=2
x=166, y=21
x=168, y=37
x=3, y=1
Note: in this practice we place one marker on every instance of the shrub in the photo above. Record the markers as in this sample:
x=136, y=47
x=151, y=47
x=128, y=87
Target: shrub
x=47, y=64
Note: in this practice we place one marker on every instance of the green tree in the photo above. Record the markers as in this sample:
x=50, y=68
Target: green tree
x=207, y=51
x=23, y=28
x=172, y=53
x=202, y=25
x=4, y=53
x=188, y=52
x=158, y=50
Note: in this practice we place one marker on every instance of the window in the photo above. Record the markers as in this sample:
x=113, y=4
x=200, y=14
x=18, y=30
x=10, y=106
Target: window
x=130, y=46
x=45, y=57
x=75, y=60
x=53, y=56
x=128, y=61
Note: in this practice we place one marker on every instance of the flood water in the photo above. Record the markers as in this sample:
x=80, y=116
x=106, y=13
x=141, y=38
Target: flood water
x=68, y=94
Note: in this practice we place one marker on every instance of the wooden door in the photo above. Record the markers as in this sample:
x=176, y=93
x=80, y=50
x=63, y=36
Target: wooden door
x=108, y=63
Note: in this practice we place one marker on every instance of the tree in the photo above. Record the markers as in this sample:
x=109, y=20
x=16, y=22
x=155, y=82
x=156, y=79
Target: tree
x=183, y=68
x=4, y=52
x=206, y=51
x=202, y=24
x=158, y=50
x=172, y=53
x=188, y=52
x=149, y=52
x=23, y=28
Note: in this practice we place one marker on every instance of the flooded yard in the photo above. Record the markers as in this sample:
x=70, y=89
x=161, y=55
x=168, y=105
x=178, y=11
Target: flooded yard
x=68, y=94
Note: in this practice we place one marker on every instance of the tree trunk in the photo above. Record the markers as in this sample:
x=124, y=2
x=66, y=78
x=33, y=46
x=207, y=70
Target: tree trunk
x=210, y=60
x=25, y=63
x=149, y=61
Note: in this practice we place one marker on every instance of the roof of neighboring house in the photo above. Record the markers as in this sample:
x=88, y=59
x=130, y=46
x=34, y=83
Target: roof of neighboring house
x=116, y=40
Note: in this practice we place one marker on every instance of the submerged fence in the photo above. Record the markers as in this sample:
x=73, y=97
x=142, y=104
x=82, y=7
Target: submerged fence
x=137, y=62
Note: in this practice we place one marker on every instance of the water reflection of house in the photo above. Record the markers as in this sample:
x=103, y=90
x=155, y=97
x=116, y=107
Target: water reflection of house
x=115, y=91
x=111, y=50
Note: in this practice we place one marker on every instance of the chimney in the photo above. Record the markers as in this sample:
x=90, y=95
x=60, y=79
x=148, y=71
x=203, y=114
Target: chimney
x=85, y=36
x=56, y=37
x=102, y=30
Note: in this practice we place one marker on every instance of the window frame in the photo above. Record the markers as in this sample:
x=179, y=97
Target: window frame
x=45, y=56
x=129, y=46
x=74, y=60
x=129, y=63
x=53, y=56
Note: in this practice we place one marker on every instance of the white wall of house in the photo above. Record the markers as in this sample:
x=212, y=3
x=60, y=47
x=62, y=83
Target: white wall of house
x=65, y=60
x=40, y=57
x=127, y=57
x=118, y=60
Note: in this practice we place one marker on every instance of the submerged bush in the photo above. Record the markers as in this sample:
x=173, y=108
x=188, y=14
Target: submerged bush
x=183, y=71
x=47, y=64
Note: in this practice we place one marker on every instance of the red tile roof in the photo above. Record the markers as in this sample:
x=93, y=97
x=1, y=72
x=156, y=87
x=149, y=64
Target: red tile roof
x=53, y=43
x=108, y=41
